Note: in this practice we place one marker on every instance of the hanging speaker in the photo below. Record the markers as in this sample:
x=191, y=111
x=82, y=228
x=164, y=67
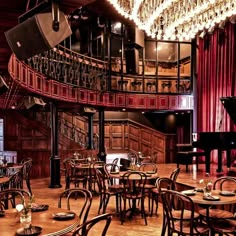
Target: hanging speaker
x=132, y=60
x=36, y=35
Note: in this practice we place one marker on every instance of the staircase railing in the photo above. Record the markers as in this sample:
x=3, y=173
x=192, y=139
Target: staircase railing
x=65, y=127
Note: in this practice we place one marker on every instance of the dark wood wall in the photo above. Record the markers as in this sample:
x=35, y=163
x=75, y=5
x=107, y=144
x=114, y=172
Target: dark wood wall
x=31, y=138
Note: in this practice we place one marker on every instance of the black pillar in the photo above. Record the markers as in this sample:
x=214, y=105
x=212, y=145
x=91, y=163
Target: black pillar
x=90, y=132
x=101, y=152
x=55, y=176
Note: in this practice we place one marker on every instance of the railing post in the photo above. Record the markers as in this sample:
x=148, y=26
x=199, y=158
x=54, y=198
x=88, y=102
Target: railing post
x=55, y=176
x=102, y=152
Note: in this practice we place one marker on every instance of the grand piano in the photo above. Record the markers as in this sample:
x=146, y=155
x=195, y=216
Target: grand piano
x=222, y=141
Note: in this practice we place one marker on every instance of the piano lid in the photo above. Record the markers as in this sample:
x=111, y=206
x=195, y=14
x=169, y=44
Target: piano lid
x=230, y=106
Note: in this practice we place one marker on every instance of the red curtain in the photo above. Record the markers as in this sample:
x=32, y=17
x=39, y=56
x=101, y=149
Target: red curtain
x=216, y=78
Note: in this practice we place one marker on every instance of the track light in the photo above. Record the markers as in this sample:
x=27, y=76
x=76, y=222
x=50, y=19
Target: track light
x=222, y=25
x=202, y=34
x=232, y=19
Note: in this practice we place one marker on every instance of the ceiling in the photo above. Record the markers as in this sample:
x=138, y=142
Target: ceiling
x=10, y=11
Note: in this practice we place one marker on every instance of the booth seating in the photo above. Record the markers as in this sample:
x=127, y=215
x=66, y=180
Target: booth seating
x=185, y=154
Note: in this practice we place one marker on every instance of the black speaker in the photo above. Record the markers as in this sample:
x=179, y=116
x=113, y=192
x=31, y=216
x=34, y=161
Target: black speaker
x=36, y=35
x=134, y=37
x=3, y=85
x=132, y=60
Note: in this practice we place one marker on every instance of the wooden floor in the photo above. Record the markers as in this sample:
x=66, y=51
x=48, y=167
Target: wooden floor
x=135, y=226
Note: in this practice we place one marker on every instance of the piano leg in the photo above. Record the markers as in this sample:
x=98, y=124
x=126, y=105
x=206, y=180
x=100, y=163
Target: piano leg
x=208, y=161
x=219, y=169
x=228, y=156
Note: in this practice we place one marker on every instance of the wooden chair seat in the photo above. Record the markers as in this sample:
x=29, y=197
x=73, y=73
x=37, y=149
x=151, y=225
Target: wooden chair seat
x=217, y=214
x=223, y=226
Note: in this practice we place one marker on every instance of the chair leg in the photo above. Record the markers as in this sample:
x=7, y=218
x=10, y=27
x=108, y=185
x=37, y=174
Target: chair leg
x=143, y=211
x=28, y=185
x=164, y=224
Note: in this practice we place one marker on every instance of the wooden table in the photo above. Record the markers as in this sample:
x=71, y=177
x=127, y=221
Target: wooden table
x=224, y=200
x=121, y=173
x=198, y=198
x=50, y=227
x=3, y=180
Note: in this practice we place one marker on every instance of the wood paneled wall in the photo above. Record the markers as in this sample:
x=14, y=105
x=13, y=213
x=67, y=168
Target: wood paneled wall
x=122, y=136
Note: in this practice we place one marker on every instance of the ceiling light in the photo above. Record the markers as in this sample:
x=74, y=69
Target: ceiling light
x=178, y=19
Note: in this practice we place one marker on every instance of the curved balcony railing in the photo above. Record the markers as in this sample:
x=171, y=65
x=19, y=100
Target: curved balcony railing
x=71, y=68
x=64, y=89
x=78, y=70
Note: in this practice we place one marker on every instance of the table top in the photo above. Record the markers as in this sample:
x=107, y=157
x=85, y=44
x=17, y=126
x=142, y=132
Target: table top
x=120, y=174
x=223, y=200
x=87, y=166
x=44, y=219
x=4, y=179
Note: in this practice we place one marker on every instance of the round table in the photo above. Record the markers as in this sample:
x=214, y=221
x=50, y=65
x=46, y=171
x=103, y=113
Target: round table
x=50, y=227
x=120, y=174
x=198, y=198
x=223, y=200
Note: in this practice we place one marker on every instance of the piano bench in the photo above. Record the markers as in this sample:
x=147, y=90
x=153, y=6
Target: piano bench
x=186, y=158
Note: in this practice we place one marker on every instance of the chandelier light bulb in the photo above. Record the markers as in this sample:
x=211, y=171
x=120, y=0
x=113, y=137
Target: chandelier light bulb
x=172, y=15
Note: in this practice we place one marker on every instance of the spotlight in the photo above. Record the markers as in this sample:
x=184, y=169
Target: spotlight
x=232, y=19
x=211, y=30
x=202, y=34
x=222, y=25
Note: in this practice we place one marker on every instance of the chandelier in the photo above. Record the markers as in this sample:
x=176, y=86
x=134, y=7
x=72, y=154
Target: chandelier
x=175, y=19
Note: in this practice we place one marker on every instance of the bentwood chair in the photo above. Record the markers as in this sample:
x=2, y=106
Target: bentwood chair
x=223, y=227
x=180, y=215
x=227, y=186
x=133, y=191
x=83, y=200
x=9, y=198
x=96, y=226
x=149, y=168
x=15, y=181
x=92, y=178
x=105, y=192
x=155, y=191
x=27, y=166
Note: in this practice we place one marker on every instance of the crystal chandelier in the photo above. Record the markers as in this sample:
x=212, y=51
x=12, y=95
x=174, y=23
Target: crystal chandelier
x=175, y=19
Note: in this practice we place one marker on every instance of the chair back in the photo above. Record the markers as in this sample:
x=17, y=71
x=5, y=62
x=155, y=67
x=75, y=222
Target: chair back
x=27, y=166
x=108, y=168
x=115, y=161
x=15, y=180
x=9, y=198
x=164, y=183
x=174, y=174
x=134, y=184
x=101, y=181
x=26, y=159
x=173, y=202
x=89, y=227
x=148, y=167
x=84, y=202
x=225, y=183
